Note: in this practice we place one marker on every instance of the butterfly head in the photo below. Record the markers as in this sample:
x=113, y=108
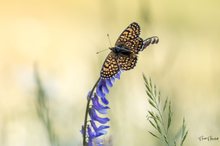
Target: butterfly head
x=116, y=49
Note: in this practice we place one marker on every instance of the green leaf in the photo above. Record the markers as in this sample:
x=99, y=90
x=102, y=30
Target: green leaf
x=151, y=113
x=165, y=139
x=182, y=141
x=156, y=122
x=158, y=127
x=183, y=127
x=150, y=95
x=151, y=103
x=155, y=90
x=152, y=124
x=159, y=96
x=169, y=116
x=145, y=79
x=165, y=104
x=158, y=118
x=150, y=83
x=148, y=88
x=154, y=135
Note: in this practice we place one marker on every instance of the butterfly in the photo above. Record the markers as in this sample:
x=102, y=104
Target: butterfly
x=124, y=55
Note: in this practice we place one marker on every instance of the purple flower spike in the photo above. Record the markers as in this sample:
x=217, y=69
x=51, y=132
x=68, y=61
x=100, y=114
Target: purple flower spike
x=96, y=126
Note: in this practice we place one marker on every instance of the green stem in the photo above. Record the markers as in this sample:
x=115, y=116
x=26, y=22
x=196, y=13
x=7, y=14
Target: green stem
x=86, y=114
x=162, y=120
x=156, y=97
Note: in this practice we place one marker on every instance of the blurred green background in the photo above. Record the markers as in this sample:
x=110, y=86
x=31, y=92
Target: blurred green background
x=63, y=36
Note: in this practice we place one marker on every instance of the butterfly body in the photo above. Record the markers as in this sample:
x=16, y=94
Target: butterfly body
x=120, y=50
x=124, y=55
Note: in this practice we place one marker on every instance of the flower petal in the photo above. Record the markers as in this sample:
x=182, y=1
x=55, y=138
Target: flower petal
x=109, y=82
x=99, y=142
x=100, y=129
x=90, y=143
x=93, y=115
x=112, y=79
x=82, y=130
x=91, y=134
x=118, y=75
x=103, y=111
x=96, y=130
x=104, y=100
x=102, y=88
x=89, y=95
x=105, y=88
x=99, y=107
x=99, y=91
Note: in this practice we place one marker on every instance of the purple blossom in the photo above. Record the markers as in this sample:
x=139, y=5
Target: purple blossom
x=96, y=126
x=99, y=107
x=100, y=130
x=93, y=115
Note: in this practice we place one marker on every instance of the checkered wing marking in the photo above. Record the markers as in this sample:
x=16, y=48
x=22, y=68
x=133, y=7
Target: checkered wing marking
x=110, y=66
x=130, y=39
x=134, y=45
x=127, y=62
x=131, y=32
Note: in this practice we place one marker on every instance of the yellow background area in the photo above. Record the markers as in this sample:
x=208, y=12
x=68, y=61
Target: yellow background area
x=62, y=38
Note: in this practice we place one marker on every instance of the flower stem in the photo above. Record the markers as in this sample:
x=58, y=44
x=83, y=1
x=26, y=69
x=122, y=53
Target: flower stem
x=87, y=111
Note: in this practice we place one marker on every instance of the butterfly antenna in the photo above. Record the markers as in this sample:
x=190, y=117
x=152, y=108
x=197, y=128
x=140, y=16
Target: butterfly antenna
x=101, y=51
x=109, y=40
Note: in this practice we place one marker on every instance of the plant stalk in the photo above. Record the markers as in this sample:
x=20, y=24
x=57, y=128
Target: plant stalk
x=87, y=111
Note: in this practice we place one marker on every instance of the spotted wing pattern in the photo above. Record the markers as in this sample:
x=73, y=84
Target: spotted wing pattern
x=134, y=45
x=130, y=39
x=131, y=32
x=110, y=66
x=127, y=62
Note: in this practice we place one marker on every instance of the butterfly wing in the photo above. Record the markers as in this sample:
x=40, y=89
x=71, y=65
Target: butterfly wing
x=131, y=32
x=130, y=39
x=127, y=62
x=134, y=45
x=110, y=66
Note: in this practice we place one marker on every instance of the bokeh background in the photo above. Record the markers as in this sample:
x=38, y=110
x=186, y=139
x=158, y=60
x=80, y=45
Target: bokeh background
x=62, y=38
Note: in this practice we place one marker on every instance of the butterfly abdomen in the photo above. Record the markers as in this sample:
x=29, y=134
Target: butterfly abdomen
x=121, y=50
